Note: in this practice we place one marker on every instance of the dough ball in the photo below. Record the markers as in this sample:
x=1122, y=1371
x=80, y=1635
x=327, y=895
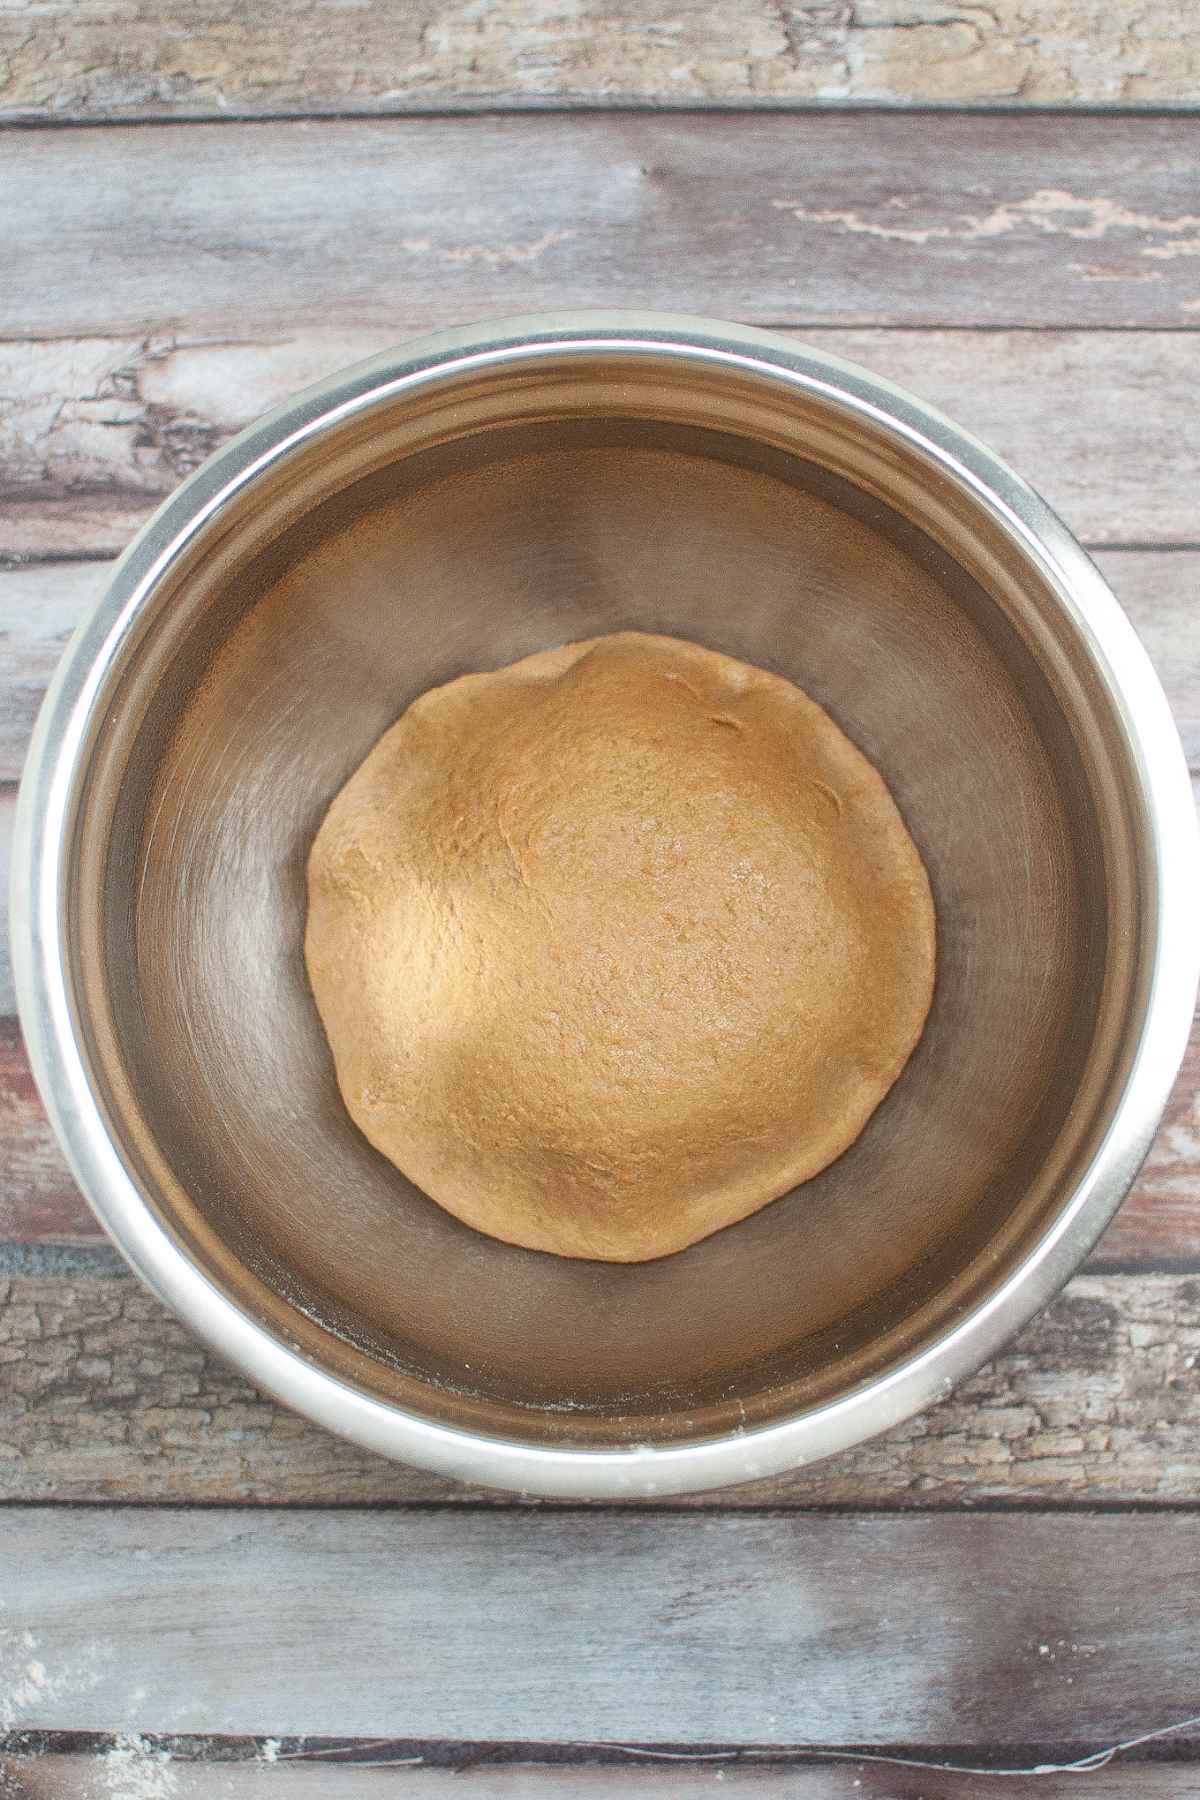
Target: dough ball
x=616, y=945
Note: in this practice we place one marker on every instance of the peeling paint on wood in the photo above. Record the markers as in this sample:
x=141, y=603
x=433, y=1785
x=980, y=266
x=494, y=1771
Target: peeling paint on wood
x=1102, y=422
x=869, y=219
x=106, y=1396
x=208, y=59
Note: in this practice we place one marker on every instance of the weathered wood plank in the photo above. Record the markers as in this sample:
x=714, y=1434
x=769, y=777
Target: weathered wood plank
x=39, y=608
x=34, y=525
x=201, y=58
x=41, y=603
x=729, y=1628
x=105, y=1396
x=137, y=1767
x=96, y=431
x=1160, y=1221
x=876, y=218
x=39, y=1201
x=1161, y=594
x=8, y=998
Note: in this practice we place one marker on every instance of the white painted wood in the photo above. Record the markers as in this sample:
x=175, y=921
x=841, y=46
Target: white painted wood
x=40, y=606
x=551, y=1626
x=144, y=58
x=876, y=218
x=93, y=434
x=8, y=997
x=105, y=1396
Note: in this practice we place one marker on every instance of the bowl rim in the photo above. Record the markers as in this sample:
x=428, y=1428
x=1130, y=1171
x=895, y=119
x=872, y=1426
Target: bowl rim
x=57, y=758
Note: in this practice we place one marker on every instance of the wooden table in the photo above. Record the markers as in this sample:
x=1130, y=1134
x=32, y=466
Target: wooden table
x=203, y=1595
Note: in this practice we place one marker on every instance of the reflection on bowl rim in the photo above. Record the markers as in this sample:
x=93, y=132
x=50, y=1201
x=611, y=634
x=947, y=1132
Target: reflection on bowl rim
x=44, y=816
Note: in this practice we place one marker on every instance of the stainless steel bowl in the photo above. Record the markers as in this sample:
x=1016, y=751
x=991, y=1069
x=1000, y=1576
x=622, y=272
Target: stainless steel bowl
x=474, y=497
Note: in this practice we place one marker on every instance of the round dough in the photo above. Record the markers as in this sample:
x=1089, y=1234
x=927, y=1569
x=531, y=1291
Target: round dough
x=616, y=945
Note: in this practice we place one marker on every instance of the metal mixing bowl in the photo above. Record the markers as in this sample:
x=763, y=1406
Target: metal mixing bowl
x=472, y=498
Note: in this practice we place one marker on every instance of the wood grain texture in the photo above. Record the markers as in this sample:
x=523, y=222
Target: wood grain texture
x=39, y=609
x=105, y=1396
x=136, y=1767
x=8, y=997
x=728, y=1628
x=39, y=1202
x=93, y=433
x=1160, y=1222
x=878, y=218
x=204, y=57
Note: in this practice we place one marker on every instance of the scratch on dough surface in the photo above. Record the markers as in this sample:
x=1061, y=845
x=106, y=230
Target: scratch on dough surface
x=493, y=256
x=678, y=680
x=506, y=838
x=830, y=794
x=1051, y=210
x=519, y=868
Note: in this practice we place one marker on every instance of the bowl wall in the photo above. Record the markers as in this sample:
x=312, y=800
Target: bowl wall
x=456, y=524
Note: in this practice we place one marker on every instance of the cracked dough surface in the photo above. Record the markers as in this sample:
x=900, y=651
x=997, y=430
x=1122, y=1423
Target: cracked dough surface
x=616, y=945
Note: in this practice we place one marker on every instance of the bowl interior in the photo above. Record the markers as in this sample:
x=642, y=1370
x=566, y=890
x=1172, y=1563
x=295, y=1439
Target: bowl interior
x=294, y=638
